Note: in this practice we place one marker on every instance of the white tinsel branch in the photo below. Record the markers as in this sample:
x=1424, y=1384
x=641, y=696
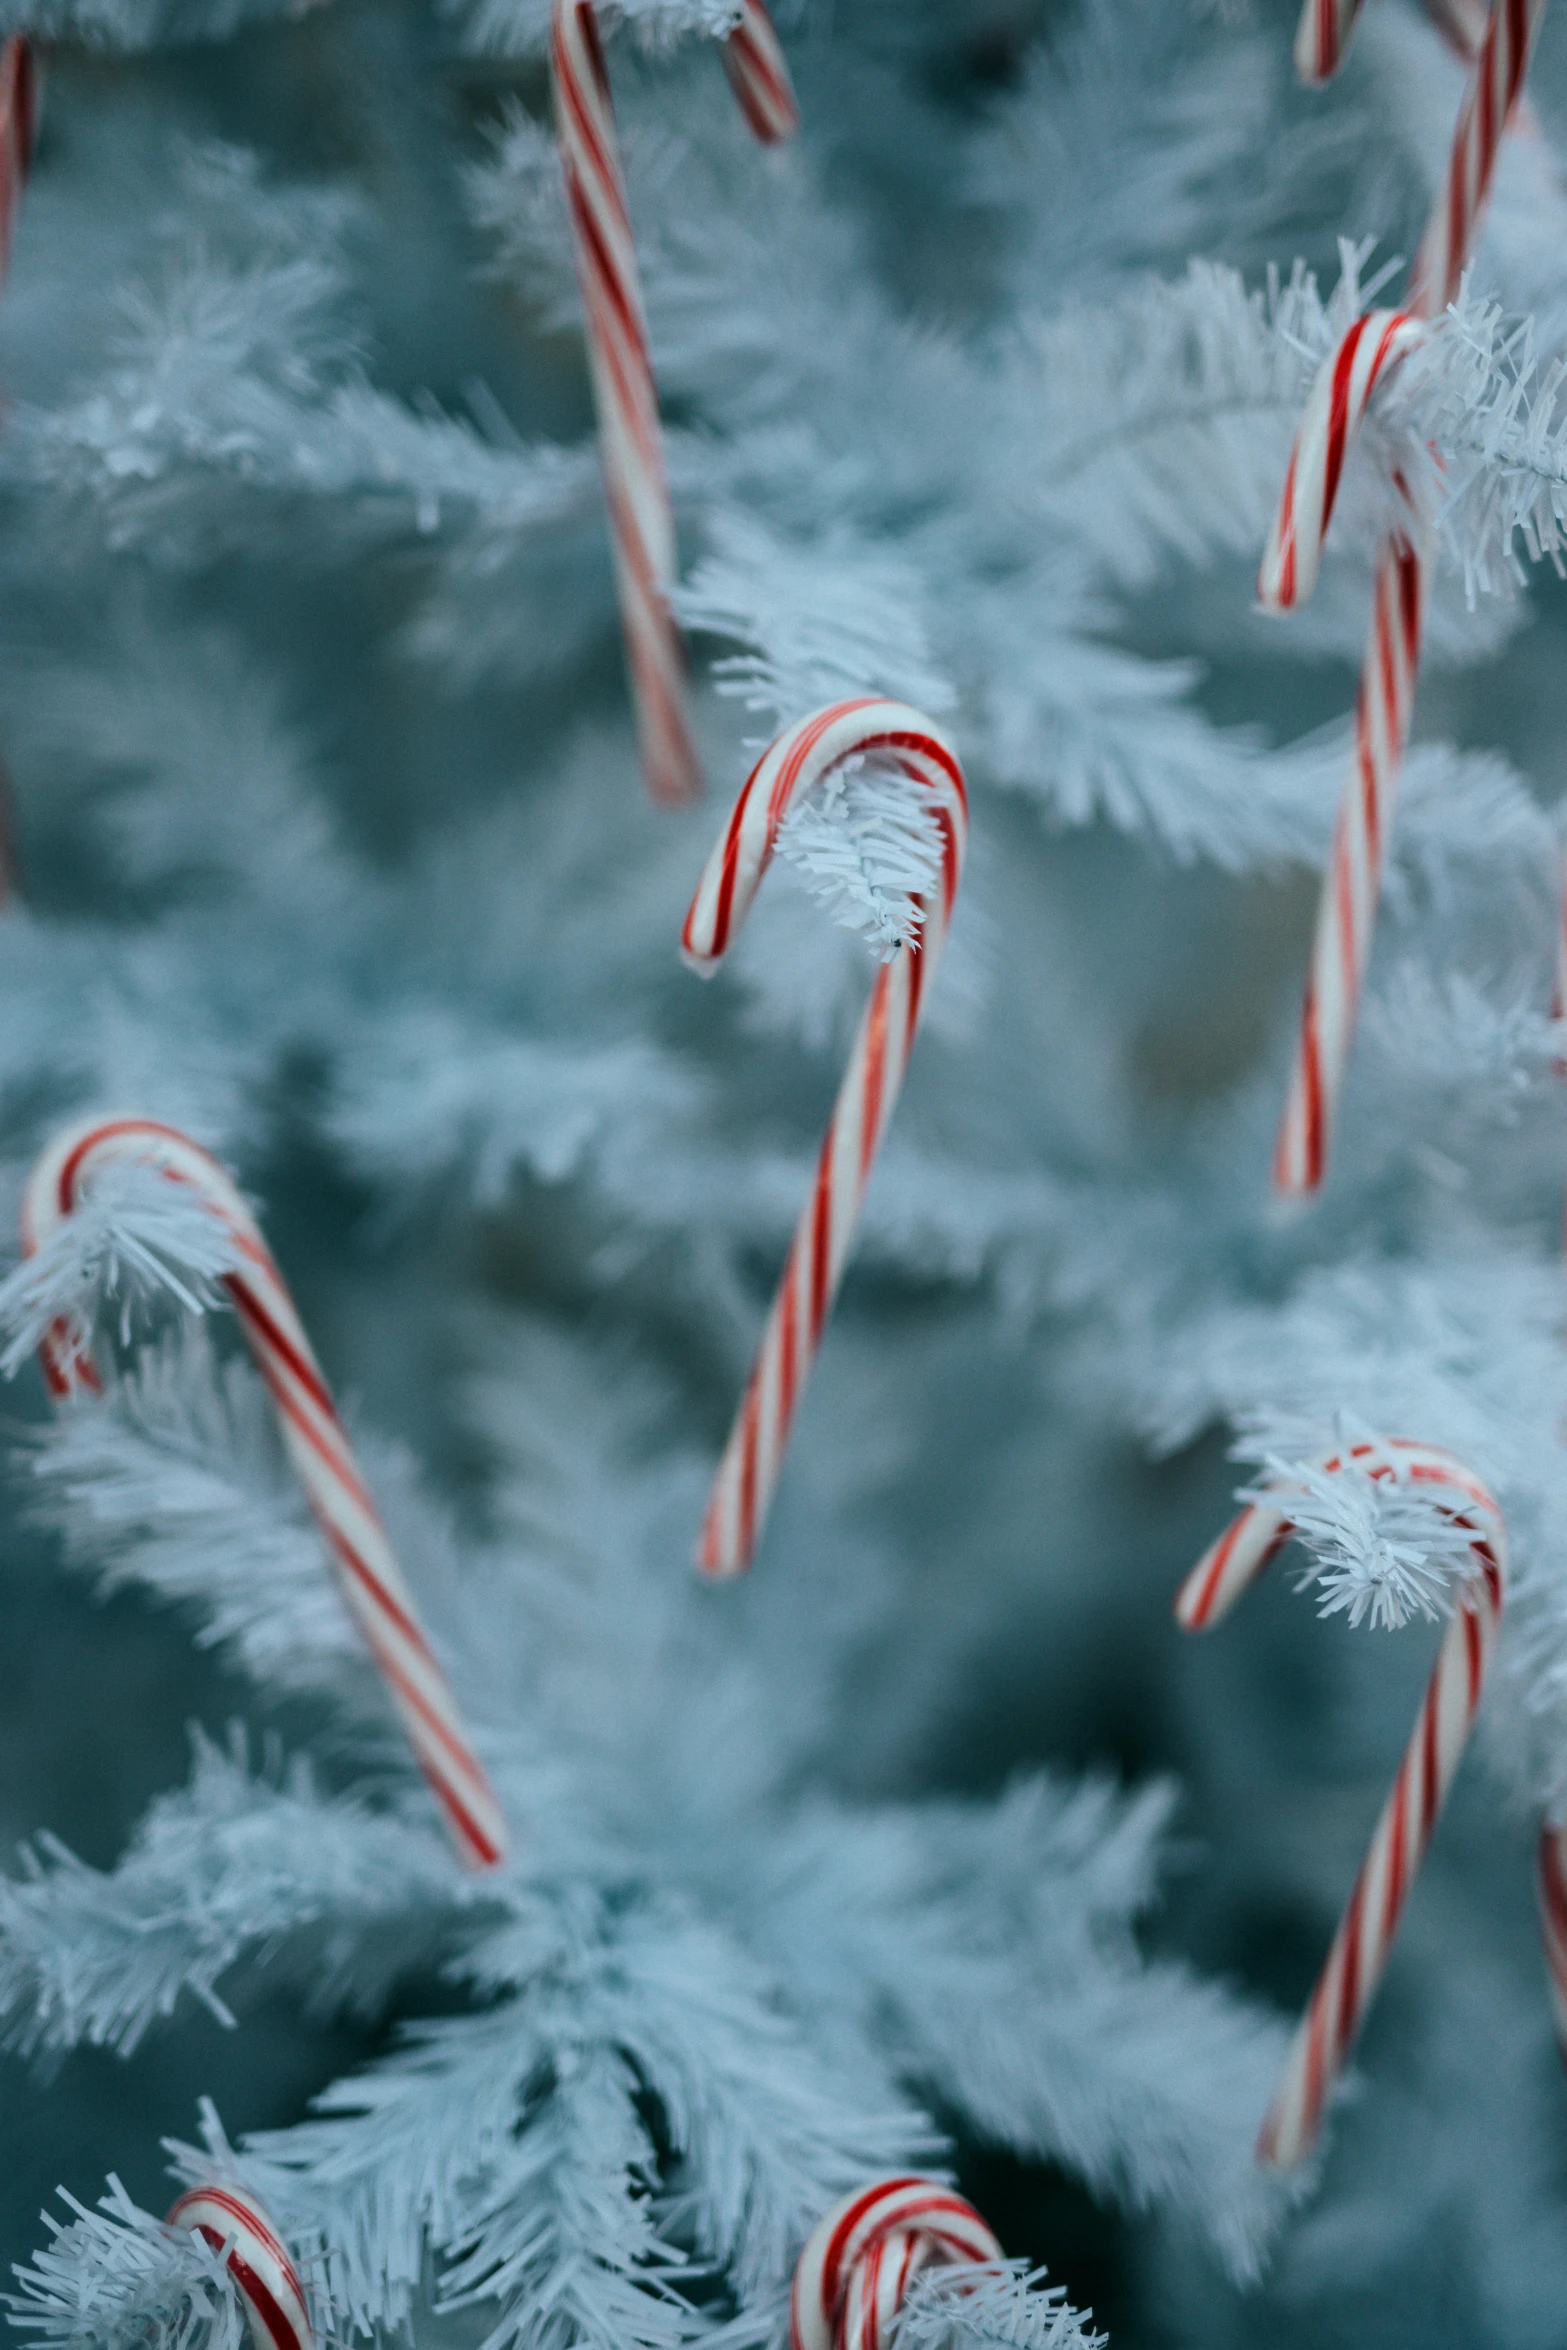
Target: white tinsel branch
x=1378, y=1545
x=136, y=1236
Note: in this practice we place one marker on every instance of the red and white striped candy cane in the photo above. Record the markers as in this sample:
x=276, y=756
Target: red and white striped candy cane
x=1346, y=915
x=793, y=765
x=1335, y=405
x=235, y=2225
x=1354, y=1965
x=1551, y=1887
x=759, y=77
x=1322, y=37
x=371, y=1580
x=631, y=447
x=1489, y=102
x=858, y=2262
x=18, y=131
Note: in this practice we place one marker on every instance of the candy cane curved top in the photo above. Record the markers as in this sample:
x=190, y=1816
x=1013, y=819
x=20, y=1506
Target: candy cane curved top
x=1335, y=405
x=368, y=1572
x=1359, y=1953
x=235, y=2225
x=1251, y=1541
x=799, y=760
x=788, y=771
x=858, y=2262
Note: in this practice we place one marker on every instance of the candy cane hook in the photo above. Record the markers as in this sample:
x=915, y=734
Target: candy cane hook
x=1346, y=915
x=631, y=447
x=313, y=1436
x=1335, y=406
x=1354, y=1964
x=237, y=2228
x=860, y=2260
x=793, y=765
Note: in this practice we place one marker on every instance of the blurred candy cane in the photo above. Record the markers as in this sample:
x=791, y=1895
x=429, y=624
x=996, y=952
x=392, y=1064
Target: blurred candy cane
x=759, y=77
x=18, y=131
x=1346, y=915
x=793, y=765
x=1323, y=35
x=859, y=2261
x=235, y=2225
x=1349, y=1978
x=631, y=448
x=1551, y=1886
x=314, y=1437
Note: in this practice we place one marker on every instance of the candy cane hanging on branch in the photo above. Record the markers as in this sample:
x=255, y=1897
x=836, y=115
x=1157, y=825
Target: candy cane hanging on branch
x=793, y=766
x=313, y=1436
x=1346, y=915
x=257, y=2259
x=859, y=2261
x=1354, y=1965
x=631, y=447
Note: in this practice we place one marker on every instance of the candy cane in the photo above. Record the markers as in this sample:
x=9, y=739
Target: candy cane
x=237, y=2228
x=1335, y=405
x=1354, y=1965
x=1323, y=35
x=759, y=77
x=368, y=1572
x=859, y=2261
x=631, y=448
x=794, y=764
x=1551, y=1887
x=1346, y=914
x=18, y=133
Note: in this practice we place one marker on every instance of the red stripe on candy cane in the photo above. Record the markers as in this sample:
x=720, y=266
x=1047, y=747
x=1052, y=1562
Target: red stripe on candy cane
x=268, y=2283
x=1354, y=1965
x=1346, y=916
x=314, y=1438
x=759, y=76
x=793, y=765
x=1551, y=1884
x=1322, y=38
x=631, y=448
x=858, y=2261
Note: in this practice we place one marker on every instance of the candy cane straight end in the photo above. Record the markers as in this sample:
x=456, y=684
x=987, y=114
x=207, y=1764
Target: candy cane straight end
x=759, y=77
x=1322, y=38
x=268, y=2283
x=1551, y=1886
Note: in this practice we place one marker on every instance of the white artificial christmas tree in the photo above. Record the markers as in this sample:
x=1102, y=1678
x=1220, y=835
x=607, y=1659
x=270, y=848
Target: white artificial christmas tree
x=334, y=852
